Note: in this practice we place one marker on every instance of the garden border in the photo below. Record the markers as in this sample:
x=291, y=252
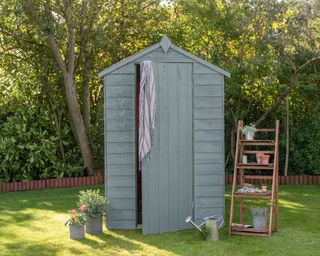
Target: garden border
x=51, y=183
x=283, y=180
x=99, y=180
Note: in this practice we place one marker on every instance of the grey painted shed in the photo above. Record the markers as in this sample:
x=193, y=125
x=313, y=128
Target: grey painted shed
x=185, y=173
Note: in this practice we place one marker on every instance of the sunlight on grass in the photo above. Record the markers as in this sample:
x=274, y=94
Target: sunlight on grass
x=34, y=225
x=289, y=204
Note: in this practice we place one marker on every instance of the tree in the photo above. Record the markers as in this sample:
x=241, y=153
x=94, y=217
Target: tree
x=47, y=21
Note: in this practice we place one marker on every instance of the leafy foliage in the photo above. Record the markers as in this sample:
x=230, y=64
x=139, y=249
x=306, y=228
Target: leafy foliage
x=76, y=218
x=95, y=202
x=29, y=151
x=263, y=44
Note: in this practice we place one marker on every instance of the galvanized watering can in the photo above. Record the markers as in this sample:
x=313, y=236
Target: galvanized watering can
x=212, y=225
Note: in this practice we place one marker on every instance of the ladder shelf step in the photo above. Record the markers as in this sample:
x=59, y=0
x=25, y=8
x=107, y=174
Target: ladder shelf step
x=249, y=231
x=258, y=177
x=253, y=152
x=255, y=166
x=266, y=130
x=242, y=227
x=257, y=143
x=253, y=195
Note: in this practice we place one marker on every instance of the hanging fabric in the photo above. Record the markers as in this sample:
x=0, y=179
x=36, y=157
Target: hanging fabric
x=147, y=108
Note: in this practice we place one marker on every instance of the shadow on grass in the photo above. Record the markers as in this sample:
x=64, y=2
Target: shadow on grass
x=32, y=250
x=112, y=240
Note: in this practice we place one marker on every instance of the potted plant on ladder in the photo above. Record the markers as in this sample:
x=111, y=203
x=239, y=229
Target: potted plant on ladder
x=76, y=223
x=249, y=131
x=96, y=208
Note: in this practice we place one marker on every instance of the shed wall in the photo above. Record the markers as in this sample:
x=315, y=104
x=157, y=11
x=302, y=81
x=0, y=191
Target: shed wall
x=208, y=139
x=120, y=147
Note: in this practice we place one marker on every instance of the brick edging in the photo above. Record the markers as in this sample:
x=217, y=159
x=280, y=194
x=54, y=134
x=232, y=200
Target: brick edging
x=283, y=180
x=98, y=180
x=51, y=183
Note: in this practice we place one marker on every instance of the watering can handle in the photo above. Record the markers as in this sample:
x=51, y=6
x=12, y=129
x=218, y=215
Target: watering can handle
x=222, y=222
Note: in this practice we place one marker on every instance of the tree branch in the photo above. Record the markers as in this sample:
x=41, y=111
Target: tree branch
x=283, y=96
x=56, y=53
x=71, y=39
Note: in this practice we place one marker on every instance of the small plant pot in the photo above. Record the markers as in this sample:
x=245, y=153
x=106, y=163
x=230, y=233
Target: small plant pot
x=265, y=159
x=244, y=159
x=258, y=156
x=76, y=232
x=264, y=188
x=249, y=135
x=94, y=226
x=259, y=218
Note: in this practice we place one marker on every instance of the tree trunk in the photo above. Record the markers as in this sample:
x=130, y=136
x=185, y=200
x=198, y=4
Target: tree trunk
x=78, y=124
x=86, y=103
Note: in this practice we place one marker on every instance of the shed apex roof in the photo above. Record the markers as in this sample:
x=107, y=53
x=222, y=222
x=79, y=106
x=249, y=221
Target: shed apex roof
x=165, y=44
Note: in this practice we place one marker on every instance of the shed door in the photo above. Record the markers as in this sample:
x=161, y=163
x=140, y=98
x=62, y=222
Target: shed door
x=167, y=176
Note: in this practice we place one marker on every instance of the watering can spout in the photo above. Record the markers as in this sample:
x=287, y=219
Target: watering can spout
x=189, y=220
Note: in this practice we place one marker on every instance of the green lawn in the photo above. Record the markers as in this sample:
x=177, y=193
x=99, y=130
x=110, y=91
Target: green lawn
x=32, y=223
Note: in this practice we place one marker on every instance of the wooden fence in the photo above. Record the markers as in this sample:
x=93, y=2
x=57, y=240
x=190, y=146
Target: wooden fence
x=51, y=183
x=97, y=180
x=283, y=180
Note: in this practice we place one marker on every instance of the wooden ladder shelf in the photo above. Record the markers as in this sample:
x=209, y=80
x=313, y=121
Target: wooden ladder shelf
x=270, y=173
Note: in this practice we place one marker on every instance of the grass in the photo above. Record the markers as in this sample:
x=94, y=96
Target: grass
x=32, y=223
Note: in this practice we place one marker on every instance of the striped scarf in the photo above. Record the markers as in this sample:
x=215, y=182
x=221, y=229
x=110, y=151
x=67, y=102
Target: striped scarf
x=147, y=109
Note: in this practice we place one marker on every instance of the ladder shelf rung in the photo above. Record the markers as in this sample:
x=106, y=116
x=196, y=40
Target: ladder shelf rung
x=255, y=166
x=253, y=195
x=247, y=233
x=253, y=152
x=258, y=177
x=256, y=143
x=266, y=130
x=251, y=230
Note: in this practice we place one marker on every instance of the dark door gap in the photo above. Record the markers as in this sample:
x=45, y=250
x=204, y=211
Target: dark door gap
x=138, y=167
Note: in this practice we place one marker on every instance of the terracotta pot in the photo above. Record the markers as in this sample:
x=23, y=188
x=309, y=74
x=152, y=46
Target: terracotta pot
x=265, y=159
x=258, y=156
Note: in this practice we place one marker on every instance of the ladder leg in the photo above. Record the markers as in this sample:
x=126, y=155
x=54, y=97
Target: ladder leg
x=276, y=206
x=232, y=199
x=235, y=174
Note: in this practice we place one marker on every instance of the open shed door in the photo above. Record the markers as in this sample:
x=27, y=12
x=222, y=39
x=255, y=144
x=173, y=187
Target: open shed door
x=167, y=190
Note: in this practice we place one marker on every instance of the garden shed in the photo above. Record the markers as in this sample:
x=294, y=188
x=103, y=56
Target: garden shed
x=184, y=173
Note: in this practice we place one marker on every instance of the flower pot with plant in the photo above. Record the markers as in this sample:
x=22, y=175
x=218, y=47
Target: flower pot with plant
x=265, y=159
x=264, y=187
x=259, y=218
x=76, y=223
x=249, y=131
x=258, y=156
x=94, y=206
